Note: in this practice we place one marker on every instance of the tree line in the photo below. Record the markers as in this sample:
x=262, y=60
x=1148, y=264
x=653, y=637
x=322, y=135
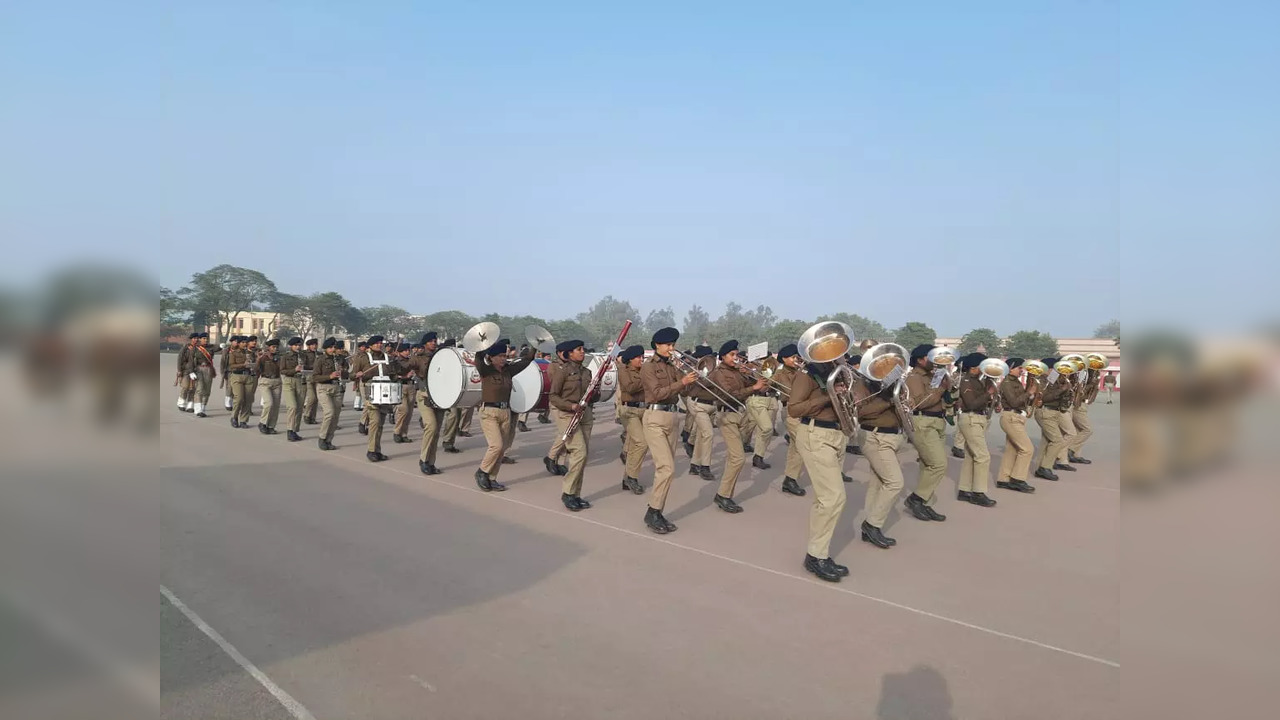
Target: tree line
x=217, y=297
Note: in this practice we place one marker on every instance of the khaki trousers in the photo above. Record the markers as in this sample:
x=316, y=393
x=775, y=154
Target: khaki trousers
x=293, y=389
x=660, y=435
x=958, y=441
x=464, y=422
x=404, y=413
x=327, y=399
x=976, y=468
x=250, y=391
x=204, y=383
x=636, y=447
x=238, y=409
x=1051, y=443
x=795, y=464
x=823, y=452
x=578, y=446
x=760, y=410
x=688, y=416
x=1084, y=429
x=271, y=388
x=432, y=420
x=731, y=428
x=186, y=389
x=309, y=399
x=1067, y=424
x=931, y=443
x=702, y=436
x=1016, y=461
x=497, y=425
x=374, y=416
x=881, y=451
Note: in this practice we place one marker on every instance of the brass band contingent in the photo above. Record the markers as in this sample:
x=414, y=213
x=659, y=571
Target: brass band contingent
x=833, y=402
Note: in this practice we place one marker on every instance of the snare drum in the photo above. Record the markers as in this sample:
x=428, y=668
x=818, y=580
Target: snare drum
x=531, y=387
x=452, y=380
x=384, y=391
x=608, y=383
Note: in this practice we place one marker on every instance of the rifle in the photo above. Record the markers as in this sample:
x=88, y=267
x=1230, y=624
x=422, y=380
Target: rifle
x=595, y=384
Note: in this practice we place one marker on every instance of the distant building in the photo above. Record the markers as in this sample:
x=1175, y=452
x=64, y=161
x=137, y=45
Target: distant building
x=248, y=322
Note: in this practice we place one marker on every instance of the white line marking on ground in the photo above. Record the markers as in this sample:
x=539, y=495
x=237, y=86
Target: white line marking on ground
x=423, y=683
x=826, y=586
x=294, y=707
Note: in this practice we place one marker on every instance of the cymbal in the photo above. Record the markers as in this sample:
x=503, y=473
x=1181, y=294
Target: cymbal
x=540, y=338
x=481, y=337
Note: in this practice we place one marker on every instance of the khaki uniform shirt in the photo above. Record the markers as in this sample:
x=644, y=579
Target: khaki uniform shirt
x=569, y=381
x=923, y=397
x=325, y=365
x=661, y=380
x=734, y=381
x=630, y=387
x=269, y=366
x=875, y=410
x=1013, y=395
x=495, y=385
x=975, y=396
x=809, y=400
x=289, y=361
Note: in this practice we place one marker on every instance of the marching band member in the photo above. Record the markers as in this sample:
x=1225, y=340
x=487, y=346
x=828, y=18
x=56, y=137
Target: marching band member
x=758, y=427
x=408, y=396
x=855, y=440
x=925, y=386
x=311, y=399
x=343, y=358
x=729, y=376
x=1080, y=418
x=238, y=372
x=228, y=396
x=200, y=364
x=569, y=383
x=976, y=396
x=631, y=410
x=788, y=364
x=821, y=444
x=250, y=379
x=375, y=362
x=183, y=380
x=325, y=378
x=1015, y=462
x=432, y=417
x=1055, y=395
x=358, y=387
x=496, y=418
x=293, y=387
x=702, y=405
x=663, y=384
x=452, y=417
x=552, y=459
x=697, y=353
x=269, y=370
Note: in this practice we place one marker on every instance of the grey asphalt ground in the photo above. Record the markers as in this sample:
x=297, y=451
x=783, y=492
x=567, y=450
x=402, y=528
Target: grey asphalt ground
x=371, y=591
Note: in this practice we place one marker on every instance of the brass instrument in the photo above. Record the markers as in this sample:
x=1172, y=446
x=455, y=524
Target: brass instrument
x=1035, y=369
x=686, y=364
x=827, y=342
x=995, y=370
x=888, y=363
x=764, y=370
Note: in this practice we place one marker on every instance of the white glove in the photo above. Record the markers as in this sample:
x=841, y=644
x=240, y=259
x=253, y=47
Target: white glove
x=938, y=375
x=893, y=376
x=193, y=376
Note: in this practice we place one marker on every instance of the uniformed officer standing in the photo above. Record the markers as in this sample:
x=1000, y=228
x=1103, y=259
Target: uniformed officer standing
x=375, y=362
x=432, y=416
x=200, y=364
x=758, y=426
x=631, y=411
x=269, y=372
x=729, y=376
x=325, y=378
x=1110, y=382
x=569, y=384
x=818, y=437
x=663, y=384
x=1015, y=462
x=926, y=384
x=293, y=387
x=1084, y=397
x=976, y=396
x=183, y=380
x=882, y=438
x=237, y=372
x=309, y=400
x=496, y=418
x=1055, y=395
x=551, y=461
x=408, y=397
x=788, y=364
x=702, y=405
x=228, y=401
x=250, y=379
x=343, y=358
x=357, y=387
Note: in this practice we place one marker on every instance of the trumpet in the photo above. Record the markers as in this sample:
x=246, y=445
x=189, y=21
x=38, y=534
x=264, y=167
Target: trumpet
x=686, y=364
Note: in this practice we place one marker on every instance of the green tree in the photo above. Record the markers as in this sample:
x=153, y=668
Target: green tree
x=863, y=328
x=1109, y=329
x=913, y=334
x=653, y=322
x=981, y=340
x=321, y=314
x=390, y=321
x=568, y=330
x=447, y=324
x=220, y=294
x=604, y=320
x=785, y=332
x=1031, y=345
x=172, y=316
x=697, y=324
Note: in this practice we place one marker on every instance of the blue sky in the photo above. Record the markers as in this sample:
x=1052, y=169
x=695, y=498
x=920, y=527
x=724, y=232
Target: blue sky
x=1013, y=165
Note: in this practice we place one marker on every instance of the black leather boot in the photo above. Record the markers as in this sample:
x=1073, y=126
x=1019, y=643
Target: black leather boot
x=728, y=505
x=981, y=500
x=824, y=568
x=550, y=465
x=758, y=462
x=957, y=452
x=632, y=484
x=570, y=502
x=789, y=485
x=1063, y=466
x=875, y=536
x=748, y=448
x=1018, y=485
x=655, y=521
x=1074, y=458
x=915, y=505
x=704, y=472
x=293, y=436
x=482, y=481
x=522, y=427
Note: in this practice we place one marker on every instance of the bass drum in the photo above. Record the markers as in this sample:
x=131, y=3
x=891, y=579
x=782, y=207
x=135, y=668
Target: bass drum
x=452, y=380
x=608, y=383
x=531, y=387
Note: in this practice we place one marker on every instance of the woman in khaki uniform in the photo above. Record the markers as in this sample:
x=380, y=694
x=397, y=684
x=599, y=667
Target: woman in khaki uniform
x=496, y=417
x=1015, y=463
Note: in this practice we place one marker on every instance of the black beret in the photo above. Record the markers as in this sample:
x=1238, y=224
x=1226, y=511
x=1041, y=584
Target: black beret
x=404, y=347
x=375, y=339
x=972, y=360
x=1049, y=361
x=253, y=338
x=428, y=337
x=920, y=351
x=632, y=353
x=505, y=341
x=193, y=336
x=499, y=348
x=728, y=347
x=295, y=341
x=204, y=334
x=312, y=341
x=569, y=346
x=665, y=335
x=787, y=351
x=1014, y=362
x=856, y=359
x=340, y=344
x=273, y=342
x=416, y=346
x=702, y=351
x=329, y=342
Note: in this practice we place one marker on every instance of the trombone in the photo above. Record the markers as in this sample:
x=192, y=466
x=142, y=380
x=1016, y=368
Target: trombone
x=686, y=365
x=763, y=370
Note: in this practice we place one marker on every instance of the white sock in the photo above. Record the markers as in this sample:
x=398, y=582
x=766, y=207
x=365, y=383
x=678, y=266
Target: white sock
x=180, y=401
x=190, y=404
x=227, y=403
x=199, y=408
